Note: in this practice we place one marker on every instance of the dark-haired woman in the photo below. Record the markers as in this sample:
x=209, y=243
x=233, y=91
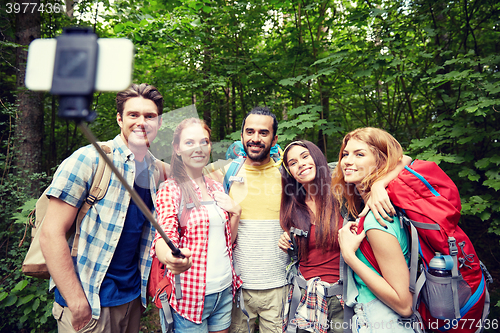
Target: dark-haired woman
x=308, y=205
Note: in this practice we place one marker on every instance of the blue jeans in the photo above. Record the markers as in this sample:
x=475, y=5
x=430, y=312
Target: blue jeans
x=216, y=315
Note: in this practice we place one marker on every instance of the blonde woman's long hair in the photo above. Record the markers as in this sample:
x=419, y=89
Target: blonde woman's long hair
x=387, y=152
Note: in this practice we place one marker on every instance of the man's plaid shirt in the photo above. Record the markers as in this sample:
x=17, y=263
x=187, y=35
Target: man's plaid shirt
x=102, y=226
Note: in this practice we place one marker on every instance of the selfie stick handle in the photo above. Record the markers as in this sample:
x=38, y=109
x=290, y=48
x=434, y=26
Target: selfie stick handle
x=135, y=196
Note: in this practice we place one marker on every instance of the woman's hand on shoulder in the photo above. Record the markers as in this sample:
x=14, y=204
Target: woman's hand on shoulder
x=225, y=202
x=285, y=242
x=349, y=240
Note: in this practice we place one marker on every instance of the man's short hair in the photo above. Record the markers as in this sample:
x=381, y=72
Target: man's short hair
x=263, y=111
x=143, y=90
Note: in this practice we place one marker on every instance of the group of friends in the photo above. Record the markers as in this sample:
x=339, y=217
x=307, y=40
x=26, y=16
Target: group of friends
x=235, y=267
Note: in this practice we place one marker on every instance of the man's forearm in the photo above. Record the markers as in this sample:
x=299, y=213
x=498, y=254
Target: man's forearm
x=406, y=160
x=60, y=265
x=58, y=220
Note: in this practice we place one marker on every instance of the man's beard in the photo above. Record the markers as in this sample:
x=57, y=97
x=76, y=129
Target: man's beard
x=258, y=157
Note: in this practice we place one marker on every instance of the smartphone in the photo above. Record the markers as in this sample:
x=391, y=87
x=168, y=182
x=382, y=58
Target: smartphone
x=114, y=64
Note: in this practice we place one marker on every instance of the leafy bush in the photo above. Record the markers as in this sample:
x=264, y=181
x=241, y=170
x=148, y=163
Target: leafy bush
x=25, y=303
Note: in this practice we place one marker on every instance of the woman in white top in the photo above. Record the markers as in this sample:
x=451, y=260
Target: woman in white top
x=204, y=227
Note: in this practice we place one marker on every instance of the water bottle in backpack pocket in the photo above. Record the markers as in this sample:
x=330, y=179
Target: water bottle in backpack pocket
x=438, y=292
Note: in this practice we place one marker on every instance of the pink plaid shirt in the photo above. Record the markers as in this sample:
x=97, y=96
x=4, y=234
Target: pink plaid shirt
x=195, y=238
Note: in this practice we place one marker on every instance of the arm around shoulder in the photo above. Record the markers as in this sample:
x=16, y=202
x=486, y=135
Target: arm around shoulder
x=164, y=170
x=405, y=160
x=379, y=202
x=216, y=170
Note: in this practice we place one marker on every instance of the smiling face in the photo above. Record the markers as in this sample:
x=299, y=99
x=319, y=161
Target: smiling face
x=358, y=161
x=301, y=164
x=139, y=123
x=257, y=138
x=194, y=149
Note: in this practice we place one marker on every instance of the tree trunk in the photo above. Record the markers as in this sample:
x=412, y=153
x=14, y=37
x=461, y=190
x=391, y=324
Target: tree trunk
x=233, y=105
x=29, y=122
x=325, y=112
x=207, y=96
x=70, y=4
x=52, y=158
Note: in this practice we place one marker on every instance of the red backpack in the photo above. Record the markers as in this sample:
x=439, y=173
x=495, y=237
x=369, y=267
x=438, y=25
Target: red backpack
x=429, y=205
x=158, y=282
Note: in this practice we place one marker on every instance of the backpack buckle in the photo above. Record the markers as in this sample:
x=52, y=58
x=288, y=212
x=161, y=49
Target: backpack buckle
x=452, y=243
x=236, y=179
x=90, y=199
x=298, y=232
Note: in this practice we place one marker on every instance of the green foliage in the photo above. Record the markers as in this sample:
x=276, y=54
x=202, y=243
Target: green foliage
x=302, y=120
x=425, y=71
x=24, y=301
x=27, y=305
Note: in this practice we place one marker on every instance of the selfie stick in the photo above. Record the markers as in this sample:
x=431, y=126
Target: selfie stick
x=135, y=196
x=74, y=81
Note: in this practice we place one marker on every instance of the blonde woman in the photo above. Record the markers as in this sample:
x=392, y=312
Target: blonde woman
x=367, y=155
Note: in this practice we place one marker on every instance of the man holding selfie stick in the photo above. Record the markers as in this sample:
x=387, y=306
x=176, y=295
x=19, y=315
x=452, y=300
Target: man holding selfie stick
x=99, y=262
x=101, y=289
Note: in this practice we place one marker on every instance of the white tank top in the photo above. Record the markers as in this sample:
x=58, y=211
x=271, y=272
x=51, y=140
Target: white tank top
x=219, y=275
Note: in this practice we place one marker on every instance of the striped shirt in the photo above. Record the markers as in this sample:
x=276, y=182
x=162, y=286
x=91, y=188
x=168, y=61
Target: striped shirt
x=195, y=238
x=259, y=260
x=102, y=226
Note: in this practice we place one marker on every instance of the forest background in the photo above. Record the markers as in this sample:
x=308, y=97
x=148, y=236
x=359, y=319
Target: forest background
x=426, y=71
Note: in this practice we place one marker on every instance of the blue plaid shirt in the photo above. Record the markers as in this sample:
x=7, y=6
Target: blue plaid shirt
x=102, y=226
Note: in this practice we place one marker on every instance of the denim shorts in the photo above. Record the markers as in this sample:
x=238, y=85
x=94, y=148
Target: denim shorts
x=375, y=317
x=216, y=314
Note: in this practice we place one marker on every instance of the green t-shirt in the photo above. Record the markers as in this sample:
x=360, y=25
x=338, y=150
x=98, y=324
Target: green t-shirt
x=394, y=228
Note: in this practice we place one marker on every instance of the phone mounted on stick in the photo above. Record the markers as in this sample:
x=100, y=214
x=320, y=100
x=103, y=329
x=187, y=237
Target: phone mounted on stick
x=73, y=66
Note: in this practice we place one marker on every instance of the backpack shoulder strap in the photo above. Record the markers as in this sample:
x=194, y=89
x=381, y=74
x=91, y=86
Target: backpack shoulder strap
x=102, y=176
x=231, y=173
x=182, y=204
x=182, y=217
x=366, y=249
x=278, y=162
x=98, y=189
x=183, y=213
x=343, y=278
x=415, y=285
